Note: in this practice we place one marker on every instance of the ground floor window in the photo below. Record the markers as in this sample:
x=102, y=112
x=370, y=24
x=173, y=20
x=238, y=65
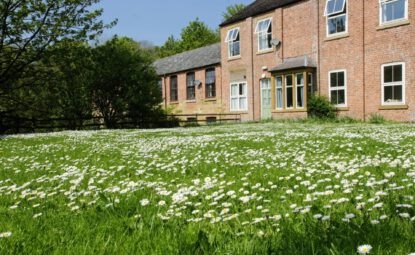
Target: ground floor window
x=393, y=84
x=292, y=89
x=239, y=96
x=338, y=93
x=191, y=86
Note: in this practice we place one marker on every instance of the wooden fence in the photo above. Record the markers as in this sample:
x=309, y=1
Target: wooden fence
x=12, y=124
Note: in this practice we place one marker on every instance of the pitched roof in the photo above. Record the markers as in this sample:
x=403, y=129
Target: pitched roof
x=188, y=60
x=293, y=63
x=256, y=8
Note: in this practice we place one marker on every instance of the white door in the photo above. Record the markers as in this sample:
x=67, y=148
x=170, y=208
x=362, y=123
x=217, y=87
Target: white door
x=266, y=99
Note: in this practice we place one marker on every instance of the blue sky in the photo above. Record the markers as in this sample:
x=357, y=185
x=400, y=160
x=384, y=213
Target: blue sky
x=155, y=20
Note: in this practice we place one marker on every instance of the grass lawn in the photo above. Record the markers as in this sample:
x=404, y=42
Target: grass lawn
x=267, y=188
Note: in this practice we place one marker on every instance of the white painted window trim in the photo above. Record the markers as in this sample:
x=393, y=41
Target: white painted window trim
x=336, y=15
x=381, y=2
x=304, y=92
x=339, y=88
x=282, y=93
x=238, y=96
x=230, y=41
x=402, y=83
x=263, y=33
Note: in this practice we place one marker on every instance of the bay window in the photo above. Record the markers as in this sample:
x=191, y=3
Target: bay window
x=239, y=96
x=289, y=91
x=393, y=84
x=300, y=90
x=278, y=90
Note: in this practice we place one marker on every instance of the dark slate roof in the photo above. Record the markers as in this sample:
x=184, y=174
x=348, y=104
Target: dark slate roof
x=293, y=63
x=256, y=8
x=188, y=60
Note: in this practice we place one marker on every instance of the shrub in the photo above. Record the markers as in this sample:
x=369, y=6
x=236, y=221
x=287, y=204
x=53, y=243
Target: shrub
x=376, y=119
x=320, y=107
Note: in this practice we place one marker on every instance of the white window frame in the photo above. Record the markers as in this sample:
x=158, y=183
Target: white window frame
x=382, y=2
x=338, y=88
x=336, y=15
x=231, y=40
x=264, y=33
x=402, y=83
x=238, y=83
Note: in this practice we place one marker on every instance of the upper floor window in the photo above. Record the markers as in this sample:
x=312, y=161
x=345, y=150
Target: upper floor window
x=173, y=89
x=393, y=10
x=210, y=83
x=239, y=96
x=233, y=41
x=336, y=13
x=393, y=84
x=264, y=32
x=191, y=86
x=338, y=92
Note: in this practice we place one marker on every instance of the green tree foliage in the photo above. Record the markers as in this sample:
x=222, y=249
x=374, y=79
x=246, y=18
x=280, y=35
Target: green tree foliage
x=28, y=28
x=232, y=10
x=124, y=83
x=321, y=108
x=195, y=35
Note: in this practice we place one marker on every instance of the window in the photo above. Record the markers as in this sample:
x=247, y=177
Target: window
x=210, y=83
x=160, y=85
x=211, y=120
x=338, y=87
x=239, y=96
x=173, y=89
x=393, y=84
x=278, y=97
x=233, y=41
x=300, y=90
x=393, y=10
x=310, y=87
x=191, y=86
x=336, y=13
x=289, y=91
x=264, y=32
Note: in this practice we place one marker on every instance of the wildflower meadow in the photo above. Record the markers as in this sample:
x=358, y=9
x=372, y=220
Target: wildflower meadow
x=267, y=188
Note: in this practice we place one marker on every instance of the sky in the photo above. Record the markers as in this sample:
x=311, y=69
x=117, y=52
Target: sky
x=156, y=20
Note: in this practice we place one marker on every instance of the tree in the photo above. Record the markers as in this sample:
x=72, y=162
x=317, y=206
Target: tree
x=232, y=10
x=29, y=28
x=125, y=82
x=195, y=35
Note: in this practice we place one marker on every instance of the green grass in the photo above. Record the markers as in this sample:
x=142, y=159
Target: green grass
x=237, y=189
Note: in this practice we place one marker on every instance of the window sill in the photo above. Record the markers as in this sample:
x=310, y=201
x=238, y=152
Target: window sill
x=336, y=37
x=174, y=102
x=265, y=51
x=234, y=58
x=191, y=101
x=393, y=24
x=289, y=110
x=342, y=108
x=213, y=99
x=239, y=112
x=394, y=107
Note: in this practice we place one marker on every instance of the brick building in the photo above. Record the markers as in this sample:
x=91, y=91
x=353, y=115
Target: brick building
x=275, y=53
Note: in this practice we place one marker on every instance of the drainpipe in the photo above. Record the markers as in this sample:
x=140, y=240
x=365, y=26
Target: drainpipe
x=252, y=70
x=165, y=92
x=318, y=49
x=364, y=63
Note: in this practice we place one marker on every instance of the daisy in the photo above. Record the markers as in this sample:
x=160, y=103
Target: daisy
x=364, y=249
